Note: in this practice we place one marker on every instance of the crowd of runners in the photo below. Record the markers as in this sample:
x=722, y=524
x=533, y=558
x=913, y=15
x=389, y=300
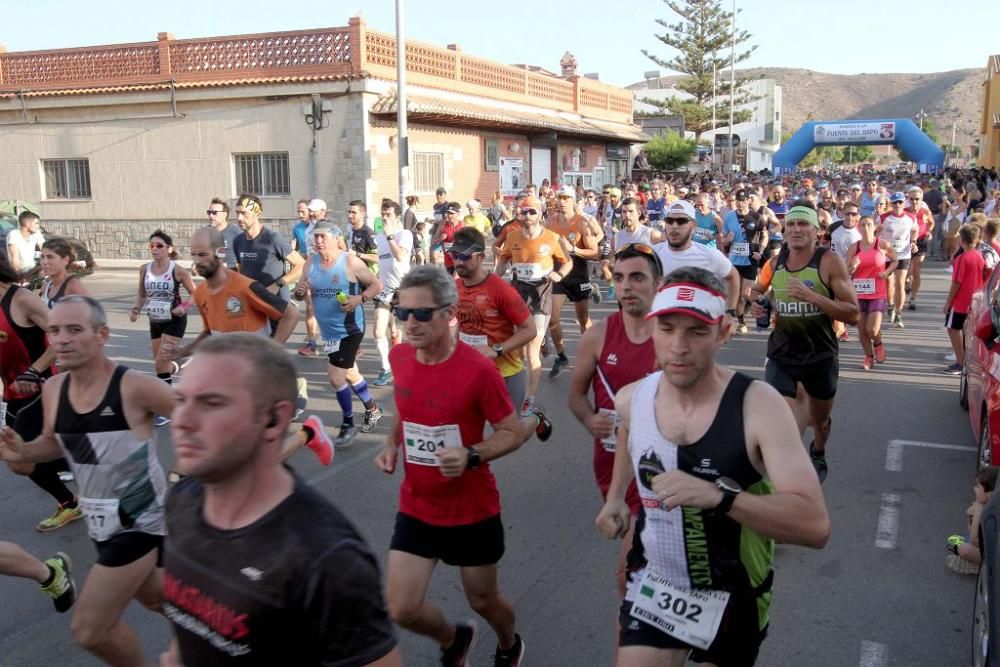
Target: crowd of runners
x=701, y=468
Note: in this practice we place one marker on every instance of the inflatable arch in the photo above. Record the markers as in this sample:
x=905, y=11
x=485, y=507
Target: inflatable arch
x=901, y=132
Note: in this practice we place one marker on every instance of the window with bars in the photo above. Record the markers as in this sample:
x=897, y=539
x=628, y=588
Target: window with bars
x=262, y=174
x=427, y=172
x=67, y=179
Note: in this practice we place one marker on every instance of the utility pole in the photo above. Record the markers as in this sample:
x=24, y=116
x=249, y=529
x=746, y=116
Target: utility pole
x=403, y=143
x=732, y=89
x=920, y=115
x=715, y=82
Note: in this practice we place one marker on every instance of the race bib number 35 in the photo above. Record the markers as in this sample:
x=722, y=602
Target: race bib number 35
x=533, y=272
x=102, y=517
x=692, y=616
x=421, y=442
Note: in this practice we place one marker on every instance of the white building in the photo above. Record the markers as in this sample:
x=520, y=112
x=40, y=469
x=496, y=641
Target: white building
x=759, y=137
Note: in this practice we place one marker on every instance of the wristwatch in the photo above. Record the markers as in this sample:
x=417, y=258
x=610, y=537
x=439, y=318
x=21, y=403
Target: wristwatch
x=280, y=282
x=473, y=461
x=390, y=237
x=730, y=489
x=498, y=348
x=731, y=312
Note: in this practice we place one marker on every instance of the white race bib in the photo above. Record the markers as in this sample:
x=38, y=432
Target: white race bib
x=159, y=311
x=900, y=245
x=610, y=441
x=864, y=285
x=422, y=441
x=692, y=616
x=446, y=246
x=102, y=517
x=331, y=346
x=704, y=233
x=475, y=341
x=740, y=249
x=533, y=272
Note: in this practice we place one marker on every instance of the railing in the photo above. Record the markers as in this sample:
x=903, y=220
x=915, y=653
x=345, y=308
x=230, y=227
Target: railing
x=344, y=51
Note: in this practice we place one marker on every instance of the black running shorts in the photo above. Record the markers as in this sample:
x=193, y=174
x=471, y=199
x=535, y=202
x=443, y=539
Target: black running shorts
x=575, y=292
x=819, y=379
x=175, y=327
x=470, y=545
x=128, y=547
x=347, y=353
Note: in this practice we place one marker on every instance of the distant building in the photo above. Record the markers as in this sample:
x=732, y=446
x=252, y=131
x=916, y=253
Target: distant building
x=114, y=141
x=755, y=141
x=989, y=125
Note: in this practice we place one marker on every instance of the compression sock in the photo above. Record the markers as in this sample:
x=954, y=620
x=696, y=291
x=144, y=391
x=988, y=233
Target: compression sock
x=46, y=477
x=361, y=389
x=383, y=352
x=346, y=403
x=165, y=377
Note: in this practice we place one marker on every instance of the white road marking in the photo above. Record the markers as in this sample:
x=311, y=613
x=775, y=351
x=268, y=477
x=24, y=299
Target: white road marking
x=894, y=452
x=873, y=654
x=888, y=521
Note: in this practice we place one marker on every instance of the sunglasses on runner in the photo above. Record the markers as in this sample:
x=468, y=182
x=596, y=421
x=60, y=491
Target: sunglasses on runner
x=211, y=212
x=676, y=221
x=461, y=257
x=421, y=314
x=529, y=211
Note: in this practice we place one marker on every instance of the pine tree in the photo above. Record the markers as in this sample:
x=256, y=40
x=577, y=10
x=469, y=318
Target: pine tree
x=702, y=37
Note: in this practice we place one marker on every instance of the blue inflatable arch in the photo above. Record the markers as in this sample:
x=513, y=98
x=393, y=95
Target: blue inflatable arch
x=900, y=132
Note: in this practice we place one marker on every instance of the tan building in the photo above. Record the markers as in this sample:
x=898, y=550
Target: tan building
x=989, y=125
x=115, y=141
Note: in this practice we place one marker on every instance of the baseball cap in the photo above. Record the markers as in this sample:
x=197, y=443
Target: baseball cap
x=897, y=196
x=914, y=188
x=317, y=205
x=325, y=227
x=473, y=202
x=855, y=186
x=803, y=213
x=567, y=191
x=823, y=184
x=742, y=195
x=690, y=299
x=615, y=192
x=467, y=241
x=683, y=190
x=680, y=208
x=453, y=206
x=532, y=202
x=440, y=191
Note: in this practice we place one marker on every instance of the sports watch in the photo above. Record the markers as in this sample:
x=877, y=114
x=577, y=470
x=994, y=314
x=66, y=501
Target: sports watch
x=730, y=489
x=473, y=461
x=498, y=348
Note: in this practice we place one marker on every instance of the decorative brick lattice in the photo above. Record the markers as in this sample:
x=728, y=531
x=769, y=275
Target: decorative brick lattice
x=81, y=65
x=265, y=52
x=492, y=75
x=549, y=88
x=420, y=59
x=593, y=98
x=620, y=103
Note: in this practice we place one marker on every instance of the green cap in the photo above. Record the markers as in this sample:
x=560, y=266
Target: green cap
x=803, y=213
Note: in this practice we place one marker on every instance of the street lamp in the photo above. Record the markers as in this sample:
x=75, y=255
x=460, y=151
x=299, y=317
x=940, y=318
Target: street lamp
x=920, y=115
x=403, y=145
x=732, y=88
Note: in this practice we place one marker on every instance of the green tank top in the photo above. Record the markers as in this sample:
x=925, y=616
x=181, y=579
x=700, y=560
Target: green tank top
x=803, y=334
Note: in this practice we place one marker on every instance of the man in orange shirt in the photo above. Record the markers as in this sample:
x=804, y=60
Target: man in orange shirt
x=492, y=316
x=538, y=263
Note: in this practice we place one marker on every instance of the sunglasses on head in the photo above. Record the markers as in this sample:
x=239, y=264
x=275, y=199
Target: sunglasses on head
x=641, y=248
x=421, y=314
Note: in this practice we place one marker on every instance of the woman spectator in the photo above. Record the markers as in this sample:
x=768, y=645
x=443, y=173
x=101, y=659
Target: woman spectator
x=160, y=292
x=410, y=218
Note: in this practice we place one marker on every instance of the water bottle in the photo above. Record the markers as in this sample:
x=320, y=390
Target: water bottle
x=764, y=321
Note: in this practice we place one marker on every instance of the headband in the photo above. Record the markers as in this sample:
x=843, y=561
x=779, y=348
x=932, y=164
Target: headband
x=250, y=205
x=690, y=299
x=803, y=213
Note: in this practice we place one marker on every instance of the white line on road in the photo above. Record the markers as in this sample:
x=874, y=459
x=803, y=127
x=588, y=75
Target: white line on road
x=873, y=654
x=894, y=452
x=888, y=521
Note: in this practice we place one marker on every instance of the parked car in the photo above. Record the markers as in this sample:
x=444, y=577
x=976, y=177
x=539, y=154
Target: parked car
x=84, y=264
x=979, y=388
x=986, y=608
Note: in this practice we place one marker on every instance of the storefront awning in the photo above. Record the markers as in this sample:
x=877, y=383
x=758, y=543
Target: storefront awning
x=469, y=114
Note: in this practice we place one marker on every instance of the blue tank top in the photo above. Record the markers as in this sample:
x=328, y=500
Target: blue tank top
x=706, y=230
x=325, y=285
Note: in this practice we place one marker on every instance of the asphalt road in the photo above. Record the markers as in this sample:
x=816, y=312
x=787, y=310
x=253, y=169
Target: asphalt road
x=878, y=594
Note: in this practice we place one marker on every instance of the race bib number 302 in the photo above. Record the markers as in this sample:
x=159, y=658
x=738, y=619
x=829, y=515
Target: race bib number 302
x=692, y=616
x=421, y=442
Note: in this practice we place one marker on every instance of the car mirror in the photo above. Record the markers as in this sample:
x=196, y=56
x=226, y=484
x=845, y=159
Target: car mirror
x=984, y=329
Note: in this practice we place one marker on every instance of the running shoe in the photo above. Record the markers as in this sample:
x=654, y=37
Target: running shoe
x=611, y=292
x=950, y=357
x=880, y=353
x=890, y=313
x=819, y=461
x=544, y=428
x=595, y=293
x=959, y=565
x=741, y=328
x=558, y=365
x=912, y=305
x=527, y=407
x=845, y=337
x=868, y=362
x=899, y=321
x=955, y=541
x=60, y=588
x=160, y=420
x=60, y=518
x=384, y=378
x=320, y=442
x=371, y=419
x=954, y=369
x=347, y=434
x=457, y=655
x=309, y=349
x=511, y=657
x=545, y=347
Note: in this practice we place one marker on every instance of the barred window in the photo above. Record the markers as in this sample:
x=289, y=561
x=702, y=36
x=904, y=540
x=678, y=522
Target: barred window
x=67, y=179
x=262, y=174
x=428, y=172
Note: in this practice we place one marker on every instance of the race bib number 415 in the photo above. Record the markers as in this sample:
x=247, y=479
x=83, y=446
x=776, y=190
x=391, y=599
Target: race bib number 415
x=692, y=616
x=421, y=442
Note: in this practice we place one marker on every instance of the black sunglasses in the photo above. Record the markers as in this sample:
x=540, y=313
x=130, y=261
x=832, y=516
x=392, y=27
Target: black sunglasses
x=211, y=212
x=676, y=221
x=421, y=314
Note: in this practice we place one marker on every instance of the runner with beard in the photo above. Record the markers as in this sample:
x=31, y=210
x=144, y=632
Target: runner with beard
x=721, y=475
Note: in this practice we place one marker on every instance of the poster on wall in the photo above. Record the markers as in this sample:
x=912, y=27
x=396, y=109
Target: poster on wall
x=511, y=175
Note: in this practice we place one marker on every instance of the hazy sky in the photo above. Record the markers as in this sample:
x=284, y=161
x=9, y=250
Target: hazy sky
x=845, y=37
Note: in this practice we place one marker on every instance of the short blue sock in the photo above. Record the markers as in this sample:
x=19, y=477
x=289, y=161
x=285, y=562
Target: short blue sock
x=361, y=389
x=346, y=403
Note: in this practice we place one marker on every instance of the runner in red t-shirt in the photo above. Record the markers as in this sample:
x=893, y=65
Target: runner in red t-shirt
x=449, y=508
x=967, y=276
x=612, y=354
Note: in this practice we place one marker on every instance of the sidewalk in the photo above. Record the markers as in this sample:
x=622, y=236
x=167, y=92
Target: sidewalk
x=119, y=264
